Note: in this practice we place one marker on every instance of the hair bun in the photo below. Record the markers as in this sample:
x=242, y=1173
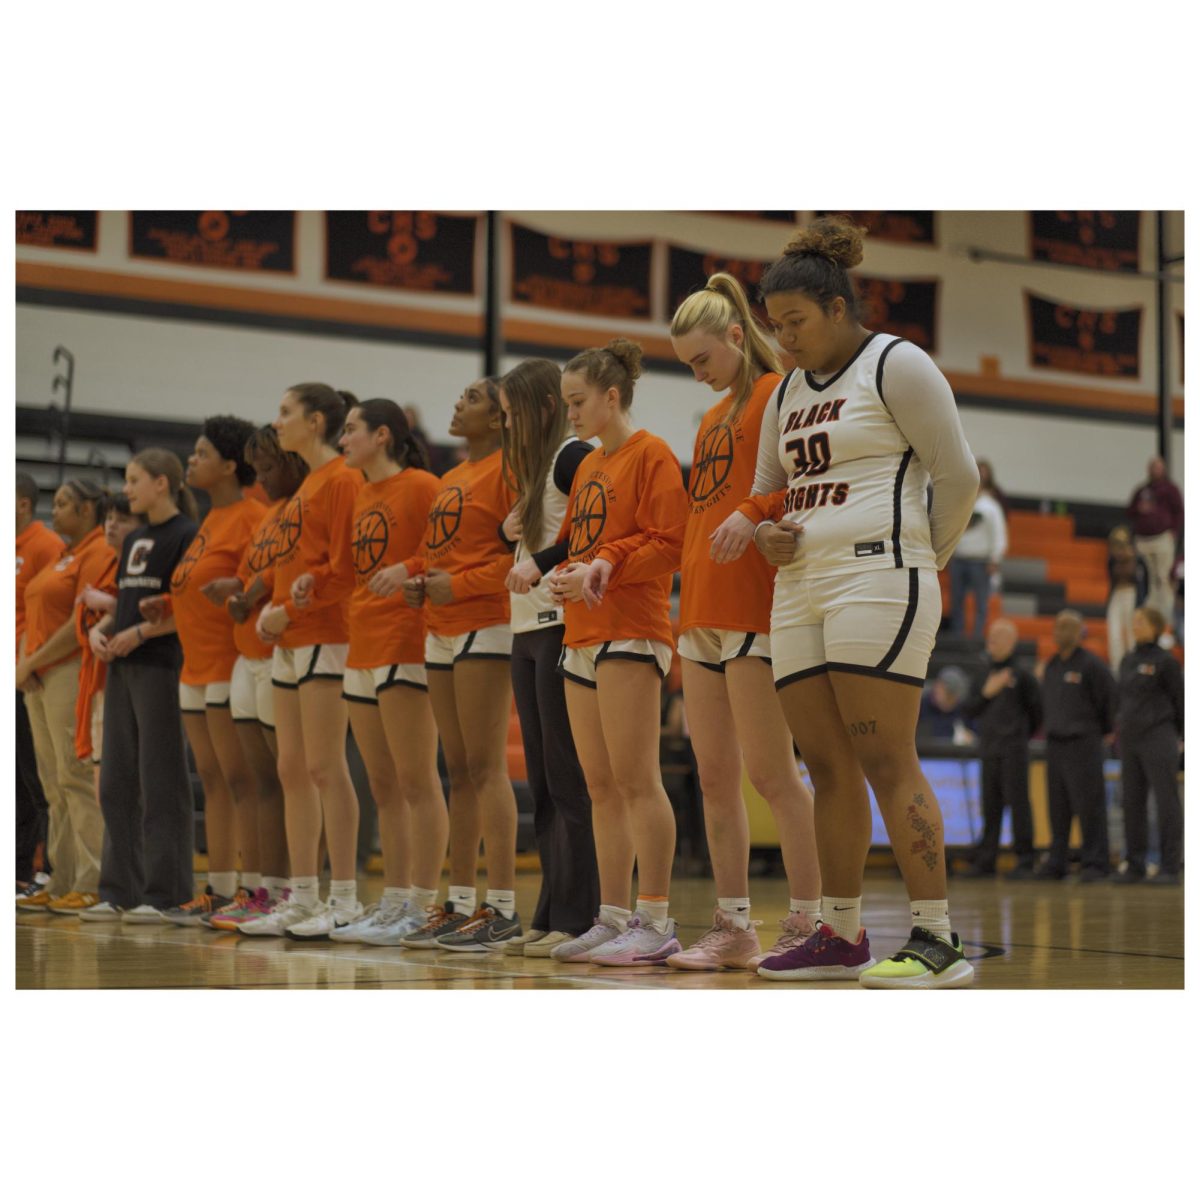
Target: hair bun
x=835, y=238
x=628, y=354
x=349, y=399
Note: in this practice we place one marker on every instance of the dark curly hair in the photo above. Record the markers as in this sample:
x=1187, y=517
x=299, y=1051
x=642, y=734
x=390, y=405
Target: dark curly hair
x=229, y=436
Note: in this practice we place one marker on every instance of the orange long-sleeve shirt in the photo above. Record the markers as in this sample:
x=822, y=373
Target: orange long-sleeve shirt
x=50, y=596
x=37, y=547
x=733, y=595
x=258, y=563
x=315, y=536
x=92, y=672
x=462, y=537
x=630, y=508
x=389, y=528
x=206, y=629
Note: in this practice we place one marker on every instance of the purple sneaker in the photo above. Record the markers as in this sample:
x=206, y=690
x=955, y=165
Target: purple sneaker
x=823, y=956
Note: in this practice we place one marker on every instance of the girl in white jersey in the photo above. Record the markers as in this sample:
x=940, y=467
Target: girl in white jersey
x=855, y=434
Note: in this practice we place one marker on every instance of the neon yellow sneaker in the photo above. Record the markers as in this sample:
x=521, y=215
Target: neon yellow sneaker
x=924, y=961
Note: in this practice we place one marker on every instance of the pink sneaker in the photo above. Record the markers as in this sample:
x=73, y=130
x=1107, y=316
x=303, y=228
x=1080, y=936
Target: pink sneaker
x=723, y=946
x=257, y=904
x=794, y=930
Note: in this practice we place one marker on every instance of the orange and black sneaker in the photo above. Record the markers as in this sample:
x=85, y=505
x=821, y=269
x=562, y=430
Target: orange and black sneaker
x=34, y=899
x=194, y=911
x=439, y=922
x=73, y=903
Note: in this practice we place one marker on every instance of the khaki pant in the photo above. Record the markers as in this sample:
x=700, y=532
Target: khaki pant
x=1121, y=606
x=1159, y=553
x=76, y=834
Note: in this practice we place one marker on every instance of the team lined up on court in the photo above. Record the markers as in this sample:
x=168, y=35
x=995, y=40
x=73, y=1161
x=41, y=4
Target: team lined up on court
x=367, y=592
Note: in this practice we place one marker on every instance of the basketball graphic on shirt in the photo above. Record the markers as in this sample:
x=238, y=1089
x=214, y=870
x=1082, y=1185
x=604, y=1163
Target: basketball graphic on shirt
x=194, y=553
x=370, y=540
x=587, y=522
x=264, y=547
x=291, y=520
x=444, y=517
x=713, y=463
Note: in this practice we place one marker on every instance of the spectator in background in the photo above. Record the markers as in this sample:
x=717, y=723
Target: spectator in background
x=1156, y=514
x=1078, y=695
x=976, y=562
x=987, y=483
x=1128, y=582
x=1150, y=726
x=1177, y=576
x=941, y=712
x=1006, y=705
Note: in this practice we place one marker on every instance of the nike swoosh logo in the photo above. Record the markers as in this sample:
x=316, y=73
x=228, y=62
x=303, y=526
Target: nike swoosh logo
x=842, y=908
x=505, y=933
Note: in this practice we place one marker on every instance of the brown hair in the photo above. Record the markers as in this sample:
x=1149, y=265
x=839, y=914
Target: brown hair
x=1155, y=619
x=403, y=448
x=816, y=261
x=528, y=440
x=332, y=404
x=721, y=305
x=86, y=491
x=265, y=441
x=157, y=462
x=619, y=365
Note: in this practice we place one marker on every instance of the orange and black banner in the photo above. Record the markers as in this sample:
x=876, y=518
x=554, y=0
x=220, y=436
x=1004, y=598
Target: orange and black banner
x=235, y=240
x=1105, y=241
x=1105, y=342
x=905, y=307
x=912, y=228
x=688, y=272
x=603, y=279
x=59, y=230
x=413, y=251
x=788, y=218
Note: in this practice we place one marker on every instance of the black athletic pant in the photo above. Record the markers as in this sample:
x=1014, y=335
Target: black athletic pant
x=1149, y=763
x=562, y=808
x=1005, y=781
x=145, y=794
x=1075, y=784
x=32, y=809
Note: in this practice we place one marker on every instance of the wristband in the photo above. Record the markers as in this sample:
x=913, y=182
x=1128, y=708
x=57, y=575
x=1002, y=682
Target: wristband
x=141, y=635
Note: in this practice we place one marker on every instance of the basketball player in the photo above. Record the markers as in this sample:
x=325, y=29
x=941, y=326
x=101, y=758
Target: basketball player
x=724, y=642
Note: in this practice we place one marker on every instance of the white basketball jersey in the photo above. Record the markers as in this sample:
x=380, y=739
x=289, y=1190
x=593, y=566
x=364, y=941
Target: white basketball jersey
x=537, y=609
x=854, y=483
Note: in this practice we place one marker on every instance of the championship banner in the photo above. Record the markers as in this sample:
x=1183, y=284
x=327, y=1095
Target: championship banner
x=912, y=228
x=233, y=239
x=1104, y=342
x=1105, y=241
x=905, y=307
x=59, y=230
x=688, y=272
x=602, y=279
x=413, y=251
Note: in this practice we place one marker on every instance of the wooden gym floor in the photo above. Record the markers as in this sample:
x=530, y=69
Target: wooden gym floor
x=1019, y=935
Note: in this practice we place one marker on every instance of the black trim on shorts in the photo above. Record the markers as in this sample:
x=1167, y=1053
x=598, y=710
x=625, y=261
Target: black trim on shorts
x=220, y=704
x=879, y=370
x=910, y=614
x=359, y=699
x=323, y=675
x=746, y=645
x=312, y=666
x=395, y=683
x=896, y=494
x=875, y=672
x=246, y=721
x=280, y=684
x=430, y=666
x=796, y=676
x=718, y=667
x=820, y=387
x=579, y=679
x=606, y=655
x=465, y=652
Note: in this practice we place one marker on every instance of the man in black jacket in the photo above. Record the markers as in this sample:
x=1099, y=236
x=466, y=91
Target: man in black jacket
x=1007, y=708
x=1150, y=724
x=1078, y=694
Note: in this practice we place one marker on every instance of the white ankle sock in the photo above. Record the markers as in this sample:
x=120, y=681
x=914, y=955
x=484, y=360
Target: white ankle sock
x=223, y=883
x=343, y=892
x=305, y=890
x=393, y=897
x=276, y=885
x=423, y=897
x=933, y=915
x=610, y=914
x=810, y=908
x=843, y=914
x=737, y=909
x=656, y=910
x=461, y=899
x=505, y=903
x=251, y=880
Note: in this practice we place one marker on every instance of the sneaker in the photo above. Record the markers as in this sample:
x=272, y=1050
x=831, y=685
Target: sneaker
x=104, y=911
x=487, y=930
x=275, y=923
x=439, y=920
x=544, y=947
x=794, y=930
x=237, y=904
x=824, y=955
x=579, y=949
x=143, y=914
x=73, y=903
x=517, y=945
x=257, y=904
x=925, y=961
x=26, y=892
x=194, y=911
x=326, y=919
x=641, y=945
x=35, y=899
x=724, y=946
x=401, y=923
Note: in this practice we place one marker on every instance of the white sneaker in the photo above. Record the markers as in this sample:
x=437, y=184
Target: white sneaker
x=275, y=923
x=325, y=920
x=400, y=924
x=369, y=919
x=100, y=912
x=544, y=946
x=578, y=949
x=144, y=914
x=517, y=945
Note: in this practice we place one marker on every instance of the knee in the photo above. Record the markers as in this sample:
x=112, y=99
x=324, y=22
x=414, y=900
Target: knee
x=484, y=771
x=826, y=774
x=605, y=795
x=720, y=787
x=383, y=790
x=886, y=771
x=630, y=785
x=321, y=775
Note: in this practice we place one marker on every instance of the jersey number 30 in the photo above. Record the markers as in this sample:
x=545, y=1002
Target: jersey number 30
x=812, y=454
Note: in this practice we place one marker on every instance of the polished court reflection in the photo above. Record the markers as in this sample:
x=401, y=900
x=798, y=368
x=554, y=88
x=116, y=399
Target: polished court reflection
x=1018, y=935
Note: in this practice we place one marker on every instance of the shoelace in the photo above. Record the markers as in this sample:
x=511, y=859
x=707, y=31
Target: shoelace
x=478, y=921
x=790, y=937
x=711, y=937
